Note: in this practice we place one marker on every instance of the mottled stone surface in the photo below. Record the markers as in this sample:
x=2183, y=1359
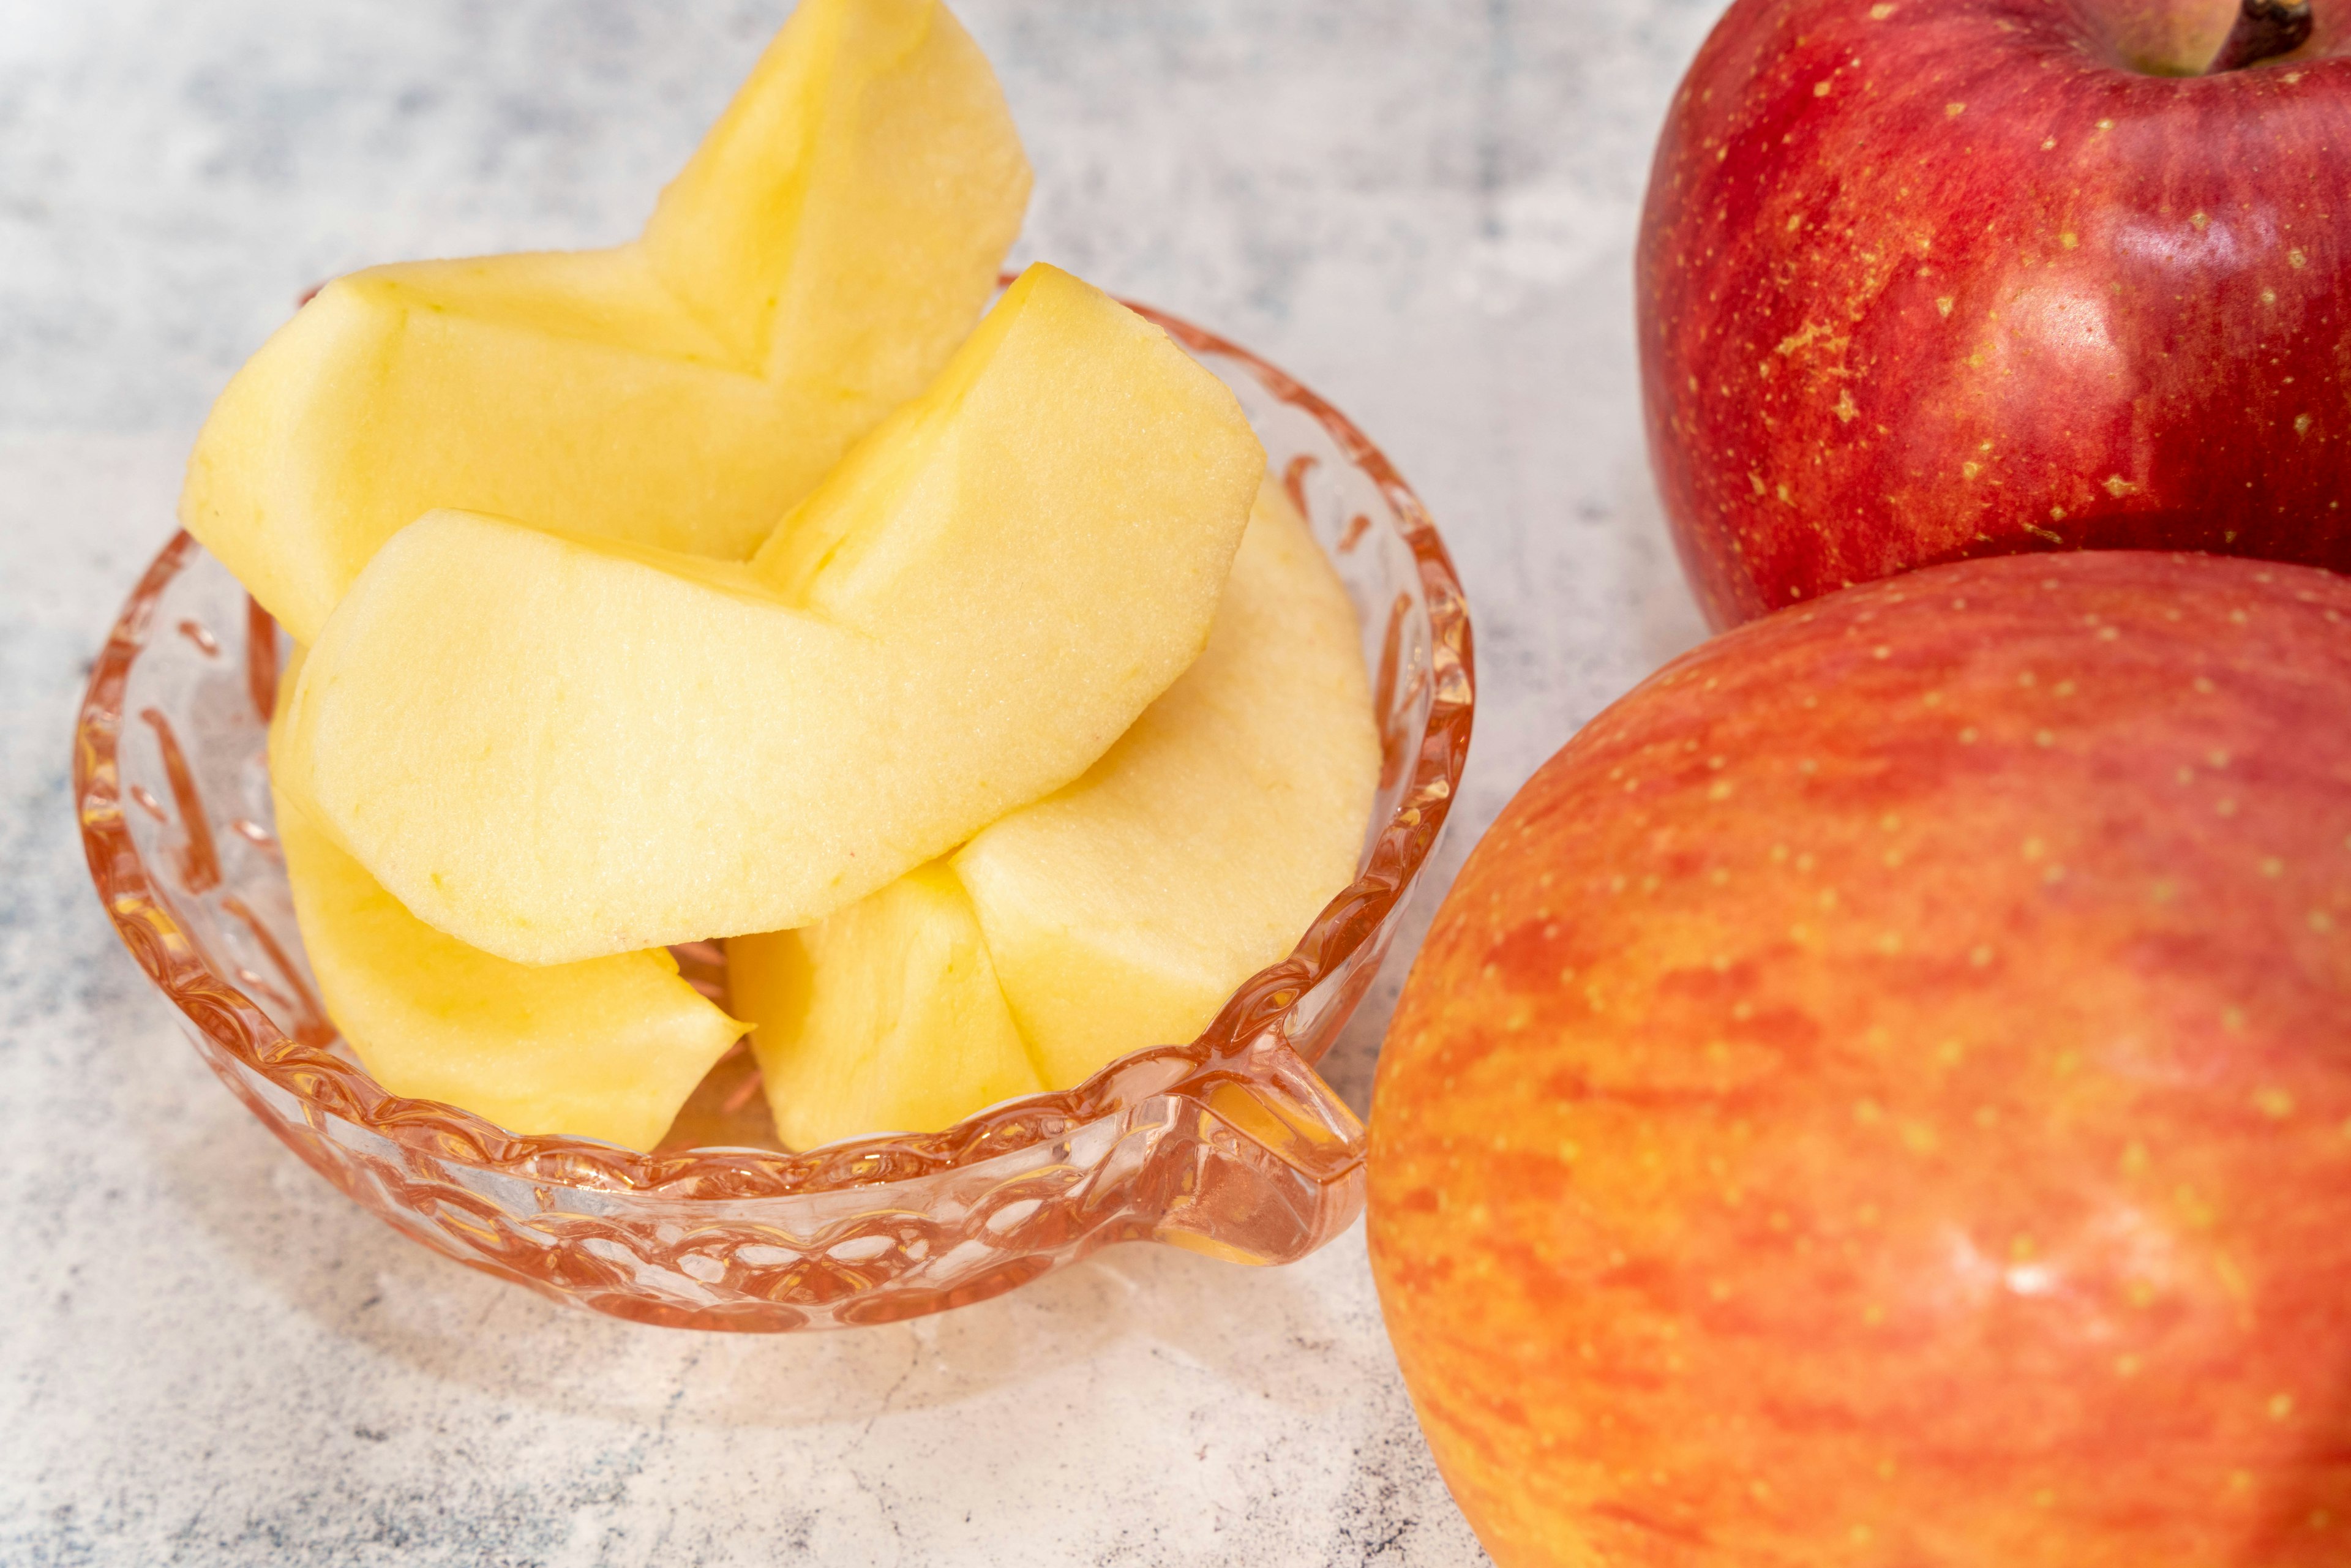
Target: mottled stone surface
x=1424, y=207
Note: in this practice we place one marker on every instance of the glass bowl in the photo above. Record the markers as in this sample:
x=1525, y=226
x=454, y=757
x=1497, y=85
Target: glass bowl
x=1231, y=1144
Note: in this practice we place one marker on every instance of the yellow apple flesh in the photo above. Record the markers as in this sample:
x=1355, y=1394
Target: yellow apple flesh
x=883, y=1018
x=1122, y=911
x=606, y=1049
x=813, y=268
x=555, y=747
x=843, y=223
x=1118, y=914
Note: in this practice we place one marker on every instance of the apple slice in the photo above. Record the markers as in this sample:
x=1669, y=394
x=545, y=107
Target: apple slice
x=844, y=223
x=605, y=1049
x=1116, y=915
x=555, y=747
x=1121, y=912
x=884, y=1017
x=813, y=266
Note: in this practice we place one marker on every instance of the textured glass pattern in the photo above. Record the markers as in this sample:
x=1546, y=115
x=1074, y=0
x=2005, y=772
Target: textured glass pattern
x=1230, y=1145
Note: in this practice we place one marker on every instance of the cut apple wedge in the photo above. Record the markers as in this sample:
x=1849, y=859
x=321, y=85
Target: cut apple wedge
x=555, y=747
x=843, y=223
x=605, y=1049
x=1122, y=912
x=884, y=1017
x=1116, y=915
x=813, y=266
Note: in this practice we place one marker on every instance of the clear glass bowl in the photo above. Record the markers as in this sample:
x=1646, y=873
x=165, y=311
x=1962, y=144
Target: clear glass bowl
x=1231, y=1144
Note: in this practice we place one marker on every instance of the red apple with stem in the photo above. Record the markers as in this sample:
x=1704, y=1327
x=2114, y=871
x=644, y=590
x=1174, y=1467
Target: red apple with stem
x=1921, y=280
x=1882, y=1094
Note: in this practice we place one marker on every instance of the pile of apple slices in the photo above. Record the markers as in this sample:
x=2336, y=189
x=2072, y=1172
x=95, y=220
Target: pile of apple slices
x=974, y=682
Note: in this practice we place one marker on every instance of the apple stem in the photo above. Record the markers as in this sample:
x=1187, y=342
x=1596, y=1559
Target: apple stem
x=2264, y=30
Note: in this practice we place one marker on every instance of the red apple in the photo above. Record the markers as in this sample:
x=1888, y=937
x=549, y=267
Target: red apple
x=1930, y=279
x=1882, y=1094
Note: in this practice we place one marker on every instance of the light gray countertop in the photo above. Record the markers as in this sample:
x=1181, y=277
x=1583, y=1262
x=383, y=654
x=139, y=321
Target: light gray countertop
x=1423, y=208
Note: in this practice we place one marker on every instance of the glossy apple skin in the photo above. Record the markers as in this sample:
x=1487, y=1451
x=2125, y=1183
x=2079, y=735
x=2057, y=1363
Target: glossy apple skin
x=1882, y=1094
x=1938, y=279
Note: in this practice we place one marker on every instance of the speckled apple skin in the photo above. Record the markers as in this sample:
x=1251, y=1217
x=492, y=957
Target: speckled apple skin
x=1882, y=1094
x=1933, y=279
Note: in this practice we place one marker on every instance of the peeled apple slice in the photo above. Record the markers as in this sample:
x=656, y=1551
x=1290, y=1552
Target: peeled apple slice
x=1117, y=915
x=1122, y=912
x=607, y=1049
x=844, y=223
x=811, y=269
x=555, y=747
x=884, y=1017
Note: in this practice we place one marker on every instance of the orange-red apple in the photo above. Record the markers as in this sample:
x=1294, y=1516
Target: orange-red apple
x=1882, y=1094
x=1931, y=279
